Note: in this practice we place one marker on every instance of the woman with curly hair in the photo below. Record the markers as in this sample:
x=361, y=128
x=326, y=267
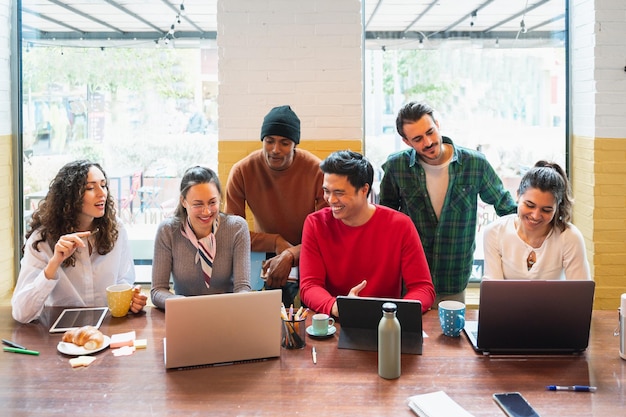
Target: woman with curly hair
x=75, y=247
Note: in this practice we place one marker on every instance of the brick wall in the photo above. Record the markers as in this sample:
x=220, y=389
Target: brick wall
x=598, y=148
x=305, y=54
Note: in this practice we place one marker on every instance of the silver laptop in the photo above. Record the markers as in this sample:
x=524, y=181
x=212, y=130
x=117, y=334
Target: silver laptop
x=532, y=317
x=222, y=329
x=359, y=317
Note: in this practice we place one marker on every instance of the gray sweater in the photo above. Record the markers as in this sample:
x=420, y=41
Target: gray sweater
x=175, y=255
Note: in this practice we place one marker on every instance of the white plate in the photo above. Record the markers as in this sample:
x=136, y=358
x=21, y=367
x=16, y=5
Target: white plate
x=74, y=350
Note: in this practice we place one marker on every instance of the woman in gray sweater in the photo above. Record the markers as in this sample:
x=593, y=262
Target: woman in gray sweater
x=203, y=250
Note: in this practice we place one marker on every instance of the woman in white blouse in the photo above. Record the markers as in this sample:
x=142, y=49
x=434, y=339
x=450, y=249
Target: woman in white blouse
x=75, y=247
x=539, y=242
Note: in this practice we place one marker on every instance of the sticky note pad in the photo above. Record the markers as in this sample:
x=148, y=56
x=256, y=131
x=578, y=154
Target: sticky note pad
x=122, y=339
x=124, y=351
x=141, y=343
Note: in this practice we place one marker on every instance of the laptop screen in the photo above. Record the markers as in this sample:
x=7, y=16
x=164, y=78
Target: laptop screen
x=222, y=328
x=529, y=316
x=359, y=318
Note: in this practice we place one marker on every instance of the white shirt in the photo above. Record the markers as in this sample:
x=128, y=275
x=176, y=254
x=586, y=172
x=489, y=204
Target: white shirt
x=437, y=181
x=561, y=256
x=83, y=285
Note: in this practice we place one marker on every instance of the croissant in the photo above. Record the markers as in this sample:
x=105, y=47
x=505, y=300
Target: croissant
x=87, y=336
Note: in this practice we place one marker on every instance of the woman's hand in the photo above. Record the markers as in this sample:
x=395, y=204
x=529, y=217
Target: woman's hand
x=63, y=249
x=139, y=300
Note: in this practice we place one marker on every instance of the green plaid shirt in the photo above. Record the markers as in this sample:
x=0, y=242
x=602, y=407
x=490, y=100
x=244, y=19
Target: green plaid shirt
x=449, y=242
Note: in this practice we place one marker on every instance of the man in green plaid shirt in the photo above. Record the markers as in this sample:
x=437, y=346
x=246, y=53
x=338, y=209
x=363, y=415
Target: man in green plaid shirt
x=437, y=184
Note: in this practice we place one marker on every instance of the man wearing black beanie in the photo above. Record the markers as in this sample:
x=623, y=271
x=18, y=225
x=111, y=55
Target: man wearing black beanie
x=282, y=185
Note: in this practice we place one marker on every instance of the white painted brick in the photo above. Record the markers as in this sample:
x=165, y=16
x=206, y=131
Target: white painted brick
x=281, y=57
x=611, y=110
x=608, y=85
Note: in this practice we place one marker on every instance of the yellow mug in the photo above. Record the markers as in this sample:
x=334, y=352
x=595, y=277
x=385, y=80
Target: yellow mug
x=119, y=297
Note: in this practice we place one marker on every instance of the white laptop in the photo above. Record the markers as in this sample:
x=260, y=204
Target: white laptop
x=222, y=329
x=532, y=317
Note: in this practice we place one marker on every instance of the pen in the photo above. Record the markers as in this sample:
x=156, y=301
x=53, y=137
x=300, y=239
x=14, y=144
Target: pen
x=314, y=353
x=12, y=344
x=579, y=388
x=24, y=351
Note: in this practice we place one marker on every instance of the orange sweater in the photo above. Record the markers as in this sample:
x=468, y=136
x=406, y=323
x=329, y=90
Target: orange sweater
x=278, y=200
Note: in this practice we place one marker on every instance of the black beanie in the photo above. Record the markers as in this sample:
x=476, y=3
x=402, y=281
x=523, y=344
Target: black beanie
x=281, y=121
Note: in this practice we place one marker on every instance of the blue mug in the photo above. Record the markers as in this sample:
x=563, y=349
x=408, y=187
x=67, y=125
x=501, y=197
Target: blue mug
x=452, y=317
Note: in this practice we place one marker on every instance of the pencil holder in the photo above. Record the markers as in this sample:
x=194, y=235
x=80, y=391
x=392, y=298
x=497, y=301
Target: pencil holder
x=293, y=334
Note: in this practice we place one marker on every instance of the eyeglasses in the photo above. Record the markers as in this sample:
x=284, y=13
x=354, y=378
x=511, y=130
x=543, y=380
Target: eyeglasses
x=200, y=207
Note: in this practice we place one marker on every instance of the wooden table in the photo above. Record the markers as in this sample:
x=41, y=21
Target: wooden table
x=343, y=383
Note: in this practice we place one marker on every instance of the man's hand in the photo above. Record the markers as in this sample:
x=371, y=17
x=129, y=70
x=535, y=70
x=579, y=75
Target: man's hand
x=277, y=269
x=354, y=292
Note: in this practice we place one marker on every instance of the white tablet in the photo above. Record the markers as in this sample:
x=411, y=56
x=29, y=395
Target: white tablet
x=73, y=318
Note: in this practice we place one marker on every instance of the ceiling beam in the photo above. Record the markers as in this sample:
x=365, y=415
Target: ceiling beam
x=85, y=15
x=182, y=16
x=467, y=16
x=133, y=15
x=113, y=36
x=516, y=15
x=373, y=13
x=434, y=35
x=49, y=19
x=430, y=6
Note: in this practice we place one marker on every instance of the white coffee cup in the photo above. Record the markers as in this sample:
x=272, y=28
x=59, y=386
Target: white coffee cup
x=321, y=324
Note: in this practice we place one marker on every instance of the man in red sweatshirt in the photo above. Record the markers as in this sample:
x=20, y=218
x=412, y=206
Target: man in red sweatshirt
x=357, y=248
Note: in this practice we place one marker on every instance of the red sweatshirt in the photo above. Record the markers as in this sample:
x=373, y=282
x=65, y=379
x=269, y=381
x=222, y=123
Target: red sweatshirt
x=386, y=251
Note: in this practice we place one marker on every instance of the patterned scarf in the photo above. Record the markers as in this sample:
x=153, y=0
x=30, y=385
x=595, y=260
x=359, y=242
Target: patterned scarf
x=206, y=248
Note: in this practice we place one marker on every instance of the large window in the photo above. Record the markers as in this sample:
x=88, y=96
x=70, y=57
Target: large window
x=499, y=85
x=141, y=104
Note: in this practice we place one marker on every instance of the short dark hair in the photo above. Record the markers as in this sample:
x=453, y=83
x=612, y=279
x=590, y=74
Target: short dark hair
x=550, y=177
x=351, y=164
x=412, y=112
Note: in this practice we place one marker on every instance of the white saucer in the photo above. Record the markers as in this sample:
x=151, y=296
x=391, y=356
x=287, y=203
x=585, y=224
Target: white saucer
x=331, y=331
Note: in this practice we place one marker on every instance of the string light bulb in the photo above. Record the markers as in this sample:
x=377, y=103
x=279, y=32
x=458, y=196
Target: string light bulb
x=522, y=26
x=165, y=39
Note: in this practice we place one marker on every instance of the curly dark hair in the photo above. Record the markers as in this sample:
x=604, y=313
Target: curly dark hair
x=57, y=213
